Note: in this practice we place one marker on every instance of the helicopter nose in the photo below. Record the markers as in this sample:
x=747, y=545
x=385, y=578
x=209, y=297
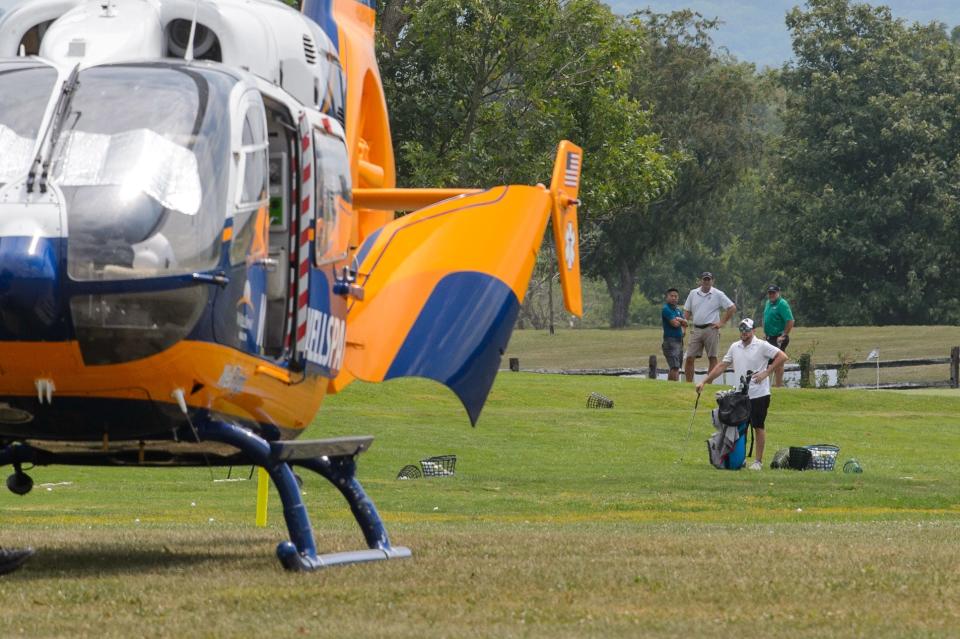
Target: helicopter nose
x=31, y=306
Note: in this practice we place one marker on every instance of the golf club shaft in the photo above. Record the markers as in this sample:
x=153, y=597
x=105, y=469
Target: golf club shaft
x=686, y=439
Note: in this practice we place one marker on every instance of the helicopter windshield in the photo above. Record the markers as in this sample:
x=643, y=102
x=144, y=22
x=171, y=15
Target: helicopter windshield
x=142, y=160
x=25, y=90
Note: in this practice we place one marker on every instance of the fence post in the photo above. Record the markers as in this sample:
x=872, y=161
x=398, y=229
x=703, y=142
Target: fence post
x=955, y=367
x=652, y=372
x=806, y=371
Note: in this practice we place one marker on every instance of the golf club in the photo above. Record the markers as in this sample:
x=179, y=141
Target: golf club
x=686, y=439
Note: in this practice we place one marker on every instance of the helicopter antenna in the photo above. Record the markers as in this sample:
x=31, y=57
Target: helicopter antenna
x=188, y=56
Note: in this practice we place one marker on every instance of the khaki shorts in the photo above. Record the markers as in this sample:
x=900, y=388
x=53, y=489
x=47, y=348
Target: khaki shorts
x=704, y=339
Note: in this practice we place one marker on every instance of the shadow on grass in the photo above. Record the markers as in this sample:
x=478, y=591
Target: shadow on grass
x=122, y=560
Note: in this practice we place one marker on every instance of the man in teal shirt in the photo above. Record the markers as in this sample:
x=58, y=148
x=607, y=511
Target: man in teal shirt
x=777, y=323
x=671, y=316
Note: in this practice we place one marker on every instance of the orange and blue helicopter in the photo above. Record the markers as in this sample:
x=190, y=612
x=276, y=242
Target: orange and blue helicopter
x=198, y=242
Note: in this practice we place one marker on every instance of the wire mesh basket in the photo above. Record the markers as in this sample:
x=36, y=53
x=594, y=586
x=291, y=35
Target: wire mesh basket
x=596, y=400
x=409, y=472
x=439, y=466
x=823, y=456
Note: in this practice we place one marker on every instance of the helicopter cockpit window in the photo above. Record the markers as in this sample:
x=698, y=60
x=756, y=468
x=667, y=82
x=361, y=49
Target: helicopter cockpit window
x=254, y=158
x=251, y=221
x=140, y=160
x=25, y=90
x=334, y=192
x=163, y=170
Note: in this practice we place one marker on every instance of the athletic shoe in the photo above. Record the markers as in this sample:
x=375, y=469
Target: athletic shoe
x=13, y=558
x=756, y=465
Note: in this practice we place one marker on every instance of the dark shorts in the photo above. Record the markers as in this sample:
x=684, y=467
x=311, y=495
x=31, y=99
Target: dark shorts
x=673, y=351
x=758, y=411
x=783, y=347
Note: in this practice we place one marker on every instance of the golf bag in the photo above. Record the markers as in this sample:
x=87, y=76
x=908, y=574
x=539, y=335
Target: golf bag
x=727, y=447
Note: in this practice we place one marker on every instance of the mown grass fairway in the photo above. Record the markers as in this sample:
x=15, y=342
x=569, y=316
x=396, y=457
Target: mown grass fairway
x=562, y=521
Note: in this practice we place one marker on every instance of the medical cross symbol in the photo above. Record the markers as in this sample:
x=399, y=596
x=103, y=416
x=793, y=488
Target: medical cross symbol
x=570, y=245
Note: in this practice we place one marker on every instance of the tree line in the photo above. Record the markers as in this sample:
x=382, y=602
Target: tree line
x=835, y=177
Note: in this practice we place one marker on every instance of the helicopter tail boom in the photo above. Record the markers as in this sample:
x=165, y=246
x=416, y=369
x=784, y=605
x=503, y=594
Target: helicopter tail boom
x=451, y=278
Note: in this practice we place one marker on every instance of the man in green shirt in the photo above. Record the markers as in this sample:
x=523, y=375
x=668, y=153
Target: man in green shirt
x=777, y=323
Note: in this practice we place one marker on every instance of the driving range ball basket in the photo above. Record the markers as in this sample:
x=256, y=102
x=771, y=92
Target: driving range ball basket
x=439, y=466
x=596, y=400
x=409, y=472
x=823, y=456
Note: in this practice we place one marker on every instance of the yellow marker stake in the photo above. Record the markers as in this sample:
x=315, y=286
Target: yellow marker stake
x=263, y=486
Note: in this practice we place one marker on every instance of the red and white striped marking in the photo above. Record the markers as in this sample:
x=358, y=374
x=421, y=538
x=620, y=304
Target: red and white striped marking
x=302, y=231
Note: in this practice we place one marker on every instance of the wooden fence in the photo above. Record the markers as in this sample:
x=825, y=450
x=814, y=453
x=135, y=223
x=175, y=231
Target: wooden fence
x=806, y=367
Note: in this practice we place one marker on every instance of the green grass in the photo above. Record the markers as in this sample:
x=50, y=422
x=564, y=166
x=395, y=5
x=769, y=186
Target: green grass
x=562, y=521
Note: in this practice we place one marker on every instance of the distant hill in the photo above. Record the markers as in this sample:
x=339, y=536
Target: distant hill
x=754, y=30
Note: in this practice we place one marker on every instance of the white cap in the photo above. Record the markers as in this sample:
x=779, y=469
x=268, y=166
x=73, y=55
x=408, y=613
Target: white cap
x=746, y=324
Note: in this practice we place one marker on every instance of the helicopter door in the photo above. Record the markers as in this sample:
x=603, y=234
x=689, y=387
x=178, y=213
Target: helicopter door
x=282, y=139
x=334, y=195
x=278, y=273
x=251, y=223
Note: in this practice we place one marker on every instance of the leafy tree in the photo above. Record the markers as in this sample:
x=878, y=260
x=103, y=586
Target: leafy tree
x=481, y=91
x=870, y=162
x=705, y=107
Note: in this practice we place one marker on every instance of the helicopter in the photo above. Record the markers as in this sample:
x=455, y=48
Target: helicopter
x=199, y=242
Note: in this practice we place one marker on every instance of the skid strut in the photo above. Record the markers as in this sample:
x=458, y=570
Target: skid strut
x=300, y=552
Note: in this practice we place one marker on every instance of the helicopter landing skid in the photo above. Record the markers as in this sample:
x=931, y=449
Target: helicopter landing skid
x=339, y=468
x=334, y=459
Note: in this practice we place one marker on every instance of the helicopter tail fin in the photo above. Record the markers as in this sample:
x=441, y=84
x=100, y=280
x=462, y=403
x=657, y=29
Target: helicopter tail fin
x=565, y=189
x=443, y=285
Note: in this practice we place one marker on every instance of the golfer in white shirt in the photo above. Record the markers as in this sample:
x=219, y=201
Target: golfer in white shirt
x=702, y=310
x=752, y=354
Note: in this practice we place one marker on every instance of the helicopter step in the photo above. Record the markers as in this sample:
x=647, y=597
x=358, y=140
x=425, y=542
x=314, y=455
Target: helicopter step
x=306, y=449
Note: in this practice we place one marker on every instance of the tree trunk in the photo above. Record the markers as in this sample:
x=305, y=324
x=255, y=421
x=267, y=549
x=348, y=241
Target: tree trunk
x=392, y=20
x=620, y=285
x=550, y=298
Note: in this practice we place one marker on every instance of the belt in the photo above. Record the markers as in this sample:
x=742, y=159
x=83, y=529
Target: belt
x=702, y=325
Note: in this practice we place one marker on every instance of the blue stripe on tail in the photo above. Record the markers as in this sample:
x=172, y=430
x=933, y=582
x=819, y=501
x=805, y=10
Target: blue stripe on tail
x=460, y=336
